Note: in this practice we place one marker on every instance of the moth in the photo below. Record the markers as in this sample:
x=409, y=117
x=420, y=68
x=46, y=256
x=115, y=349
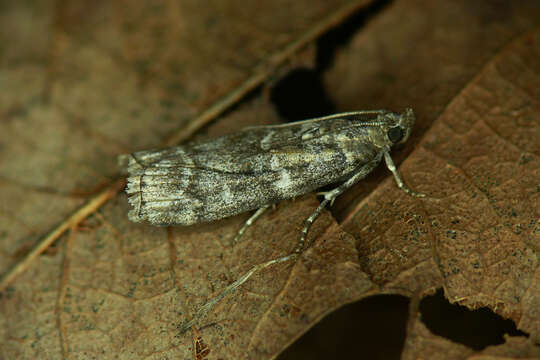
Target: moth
x=262, y=165
x=259, y=166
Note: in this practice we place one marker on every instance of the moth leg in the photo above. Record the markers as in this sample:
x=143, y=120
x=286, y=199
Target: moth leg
x=230, y=289
x=308, y=222
x=330, y=196
x=392, y=167
x=249, y=222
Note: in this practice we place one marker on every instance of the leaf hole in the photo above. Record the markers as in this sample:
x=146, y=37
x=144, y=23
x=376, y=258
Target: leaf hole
x=373, y=328
x=476, y=329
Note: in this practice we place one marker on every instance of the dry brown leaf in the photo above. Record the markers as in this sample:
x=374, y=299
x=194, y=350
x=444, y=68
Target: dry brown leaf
x=119, y=289
x=478, y=233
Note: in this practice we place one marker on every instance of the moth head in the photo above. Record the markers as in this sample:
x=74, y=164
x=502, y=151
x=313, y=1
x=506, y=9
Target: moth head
x=400, y=128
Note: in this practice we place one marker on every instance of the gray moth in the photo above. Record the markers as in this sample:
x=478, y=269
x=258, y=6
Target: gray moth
x=261, y=165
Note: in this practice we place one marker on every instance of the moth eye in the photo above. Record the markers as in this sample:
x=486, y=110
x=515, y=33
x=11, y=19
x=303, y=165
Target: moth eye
x=395, y=134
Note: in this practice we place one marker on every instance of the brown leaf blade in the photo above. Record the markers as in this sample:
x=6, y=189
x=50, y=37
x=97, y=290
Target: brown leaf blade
x=121, y=289
x=478, y=236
